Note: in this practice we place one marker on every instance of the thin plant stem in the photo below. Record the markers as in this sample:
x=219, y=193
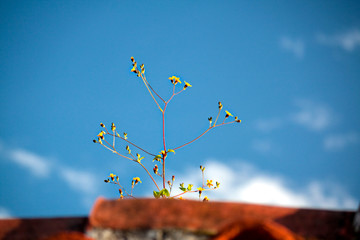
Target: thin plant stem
x=117, y=183
x=193, y=139
x=145, y=82
x=217, y=117
x=184, y=193
x=132, y=144
x=114, y=139
x=114, y=151
x=202, y=134
x=172, y=183
x=178, y=92
x=122, y=155
x=150, y=176
x=202, y=173
x=153, y=90
x=164, y=142
x=210, y=189
x=225, y=123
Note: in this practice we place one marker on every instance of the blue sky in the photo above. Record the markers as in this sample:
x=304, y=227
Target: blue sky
x=289, y=70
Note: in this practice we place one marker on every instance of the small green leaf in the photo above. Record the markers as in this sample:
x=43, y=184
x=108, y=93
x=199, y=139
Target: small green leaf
x=156, y=194
x=182, y=189
x=157, y=158
x=171, y=150
x=165, y=192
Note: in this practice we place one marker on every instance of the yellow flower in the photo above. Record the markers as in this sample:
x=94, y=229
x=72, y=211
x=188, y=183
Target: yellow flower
x=101, y=134
x=155, y=169
x=209, y=183
x=237, y=120
x=136, y=180
x=200, y=189
x=112, y=176
x=142, y=67
x=206, y=199
x=113, y=127
x=174, y=80
x=187, y=85
x=220, y=106
x=228, y=114
x=190, y=187
x=139, y=158
x=102, y=125
x=132, y=59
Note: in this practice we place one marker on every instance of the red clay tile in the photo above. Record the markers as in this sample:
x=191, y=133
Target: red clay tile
x=216, y=217
x=222, y=220
x=40, y=228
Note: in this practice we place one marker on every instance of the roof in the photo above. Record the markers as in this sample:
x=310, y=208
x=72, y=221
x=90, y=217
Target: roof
x=216, y=220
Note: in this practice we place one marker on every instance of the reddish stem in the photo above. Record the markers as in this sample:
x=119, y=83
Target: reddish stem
x=164, y=142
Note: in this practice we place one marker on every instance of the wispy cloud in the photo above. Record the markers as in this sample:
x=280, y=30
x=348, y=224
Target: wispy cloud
x=5, y=213
x=348, y=40
x=338, y=142
x=79, y=180
x=294, y=46
x=268, y=125
x=309, y=114
x=245, y=183
x=37, y=165
x=312, y=115
x=264, y=146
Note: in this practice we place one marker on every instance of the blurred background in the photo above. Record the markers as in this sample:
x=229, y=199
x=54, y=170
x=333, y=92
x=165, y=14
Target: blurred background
x=290, y=70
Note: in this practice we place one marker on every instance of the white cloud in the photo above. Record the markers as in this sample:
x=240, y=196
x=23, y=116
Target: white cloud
x=5, y=213
x=269, y=124
x=313, y=115
x=347, y=40
x=338, y=142
x=295, y=46
x=79, y=180
x=245, y=183
x=37, y=165
x=310, y=114
x=264, y=146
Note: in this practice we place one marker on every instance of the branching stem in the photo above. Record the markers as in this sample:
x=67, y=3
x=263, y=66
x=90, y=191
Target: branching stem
x=211, y=127
x=150, y=176
x=131, y=144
